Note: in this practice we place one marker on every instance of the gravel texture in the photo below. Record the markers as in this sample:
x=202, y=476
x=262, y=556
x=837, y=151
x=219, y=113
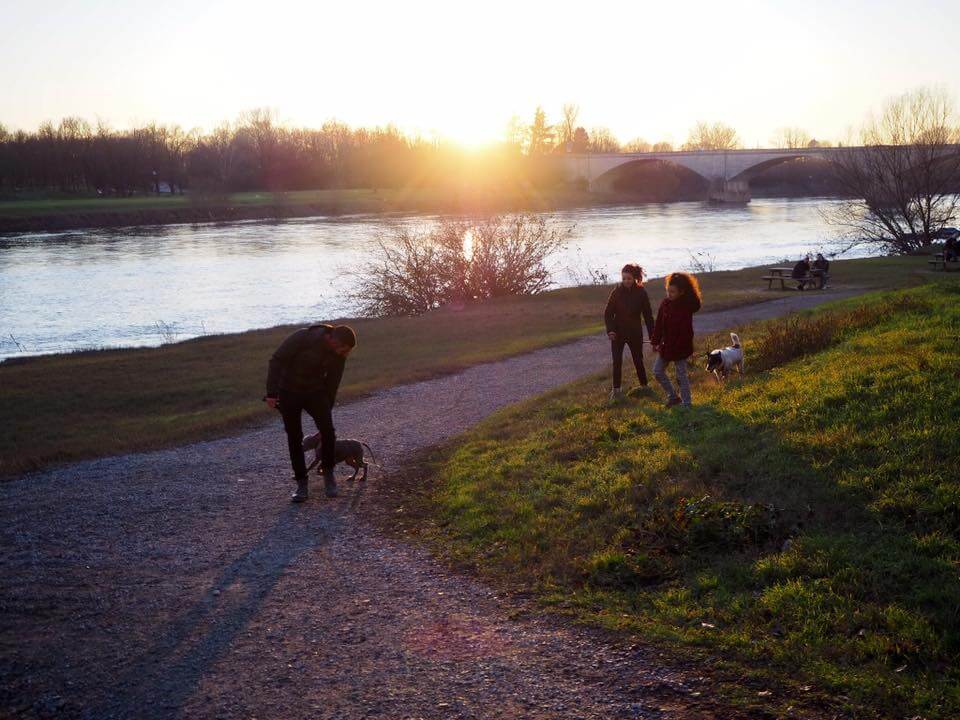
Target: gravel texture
x=181, y=583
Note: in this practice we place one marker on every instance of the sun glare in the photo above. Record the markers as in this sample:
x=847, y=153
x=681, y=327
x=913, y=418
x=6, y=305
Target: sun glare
x=467, y=132
x=471, y=137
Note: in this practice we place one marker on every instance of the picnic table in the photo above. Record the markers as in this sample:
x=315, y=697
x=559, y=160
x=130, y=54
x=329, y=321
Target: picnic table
x=938, y=260
x=784, y=275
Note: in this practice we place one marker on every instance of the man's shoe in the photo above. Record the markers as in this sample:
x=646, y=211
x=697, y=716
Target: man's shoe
x=329, y=485
x=303, y=490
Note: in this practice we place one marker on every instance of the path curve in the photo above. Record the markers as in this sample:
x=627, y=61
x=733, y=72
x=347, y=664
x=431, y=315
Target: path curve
x=180, y=583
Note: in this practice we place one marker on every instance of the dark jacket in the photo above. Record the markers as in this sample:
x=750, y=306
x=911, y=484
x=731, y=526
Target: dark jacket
x=823, y=264
x=627, y=310
x=304, y=363
x=674, y=329
x=801, y=269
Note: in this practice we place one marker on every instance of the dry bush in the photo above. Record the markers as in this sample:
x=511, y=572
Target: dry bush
x=796, y=335
x=458, y=261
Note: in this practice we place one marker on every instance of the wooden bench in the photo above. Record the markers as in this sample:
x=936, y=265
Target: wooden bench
x=938, y=260
x=783, y=275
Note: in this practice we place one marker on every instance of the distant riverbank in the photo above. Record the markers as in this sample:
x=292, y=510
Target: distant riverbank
x=52, y=215
x=76, y=213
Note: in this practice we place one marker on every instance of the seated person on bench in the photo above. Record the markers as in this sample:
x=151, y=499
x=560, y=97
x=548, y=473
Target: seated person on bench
x=950, y=250
x=820, y=267
x=801, y=270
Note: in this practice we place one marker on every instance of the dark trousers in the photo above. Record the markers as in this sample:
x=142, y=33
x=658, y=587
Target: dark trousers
x=636, y=350
x=317, y=405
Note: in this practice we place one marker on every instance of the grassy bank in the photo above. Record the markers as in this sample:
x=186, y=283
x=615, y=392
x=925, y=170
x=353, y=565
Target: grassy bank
x=60, y=213
x=798, y=532
x=356, y=200
x=97, y=403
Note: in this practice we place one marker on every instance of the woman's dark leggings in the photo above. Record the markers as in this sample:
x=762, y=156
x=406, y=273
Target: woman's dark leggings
x=317, y=406
x=636, y=350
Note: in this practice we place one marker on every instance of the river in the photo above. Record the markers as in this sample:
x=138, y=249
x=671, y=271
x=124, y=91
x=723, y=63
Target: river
x=126, y=287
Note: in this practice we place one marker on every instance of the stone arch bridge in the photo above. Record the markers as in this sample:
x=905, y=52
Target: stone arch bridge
x=728, y=172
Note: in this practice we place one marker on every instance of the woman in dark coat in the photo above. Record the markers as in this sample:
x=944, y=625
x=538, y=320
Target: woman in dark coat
x=628, y=308
x=673, y=334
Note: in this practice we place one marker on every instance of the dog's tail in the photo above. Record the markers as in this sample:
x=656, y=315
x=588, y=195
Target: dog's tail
x=735, y=339
x=372, y=456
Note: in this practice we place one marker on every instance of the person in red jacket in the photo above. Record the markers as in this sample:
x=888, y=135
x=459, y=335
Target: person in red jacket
x=673, y=334
x=627, y=311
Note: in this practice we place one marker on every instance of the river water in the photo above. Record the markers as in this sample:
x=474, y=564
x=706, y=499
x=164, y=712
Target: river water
x=143, y=286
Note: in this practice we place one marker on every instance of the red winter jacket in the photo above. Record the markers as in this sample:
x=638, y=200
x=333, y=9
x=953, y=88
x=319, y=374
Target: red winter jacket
x=673, y=331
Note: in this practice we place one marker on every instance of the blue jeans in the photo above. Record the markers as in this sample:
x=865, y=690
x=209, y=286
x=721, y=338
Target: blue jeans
x=660, y=372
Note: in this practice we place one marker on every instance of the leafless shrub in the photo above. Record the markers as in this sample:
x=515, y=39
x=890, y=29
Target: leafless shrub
x=582, y=274
x=458, y=261
x=701, y=262
x=166, y=331
x=596, y=276
x=796, y=335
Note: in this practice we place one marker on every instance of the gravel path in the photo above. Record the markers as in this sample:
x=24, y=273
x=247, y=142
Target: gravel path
x=181, y=583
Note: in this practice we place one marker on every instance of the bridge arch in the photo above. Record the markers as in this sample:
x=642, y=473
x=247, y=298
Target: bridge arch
x=751, y=172
x=605, y=180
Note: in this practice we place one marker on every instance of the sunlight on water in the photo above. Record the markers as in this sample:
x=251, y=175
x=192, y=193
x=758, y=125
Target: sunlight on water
x=139, y=286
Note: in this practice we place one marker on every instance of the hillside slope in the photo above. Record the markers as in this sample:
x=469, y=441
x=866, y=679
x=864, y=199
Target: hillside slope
x=801, y=527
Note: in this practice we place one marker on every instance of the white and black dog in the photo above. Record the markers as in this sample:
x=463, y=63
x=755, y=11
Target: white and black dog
x=722, y=362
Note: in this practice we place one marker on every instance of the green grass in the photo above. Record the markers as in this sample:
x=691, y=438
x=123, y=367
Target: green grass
x=90, y=404
x=333, y=201
x=358, y=199
x=799, y=530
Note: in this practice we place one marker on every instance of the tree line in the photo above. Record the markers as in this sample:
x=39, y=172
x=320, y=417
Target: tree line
x=256, y=152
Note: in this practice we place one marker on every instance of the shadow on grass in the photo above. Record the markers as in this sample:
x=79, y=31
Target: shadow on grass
x=744, y=461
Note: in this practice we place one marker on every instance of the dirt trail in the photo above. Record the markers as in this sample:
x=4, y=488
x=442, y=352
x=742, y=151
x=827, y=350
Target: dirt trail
x=181, y=583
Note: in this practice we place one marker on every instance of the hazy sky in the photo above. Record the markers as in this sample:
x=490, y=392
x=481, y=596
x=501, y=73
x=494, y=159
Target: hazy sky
x=463, y=68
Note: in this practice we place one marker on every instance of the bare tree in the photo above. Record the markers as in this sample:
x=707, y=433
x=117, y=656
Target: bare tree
x=791, y=137
x=458, y=261
x=712, y=137
x=568, y=125
x=603, y=141
x=637, y=145
x=903, y=182
x=662, y=146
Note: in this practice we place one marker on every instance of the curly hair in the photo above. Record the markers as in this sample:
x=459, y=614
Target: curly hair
x=634, y=270
x=686, y=283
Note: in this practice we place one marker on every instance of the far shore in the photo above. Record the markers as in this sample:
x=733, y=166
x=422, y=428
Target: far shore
x=77, y=213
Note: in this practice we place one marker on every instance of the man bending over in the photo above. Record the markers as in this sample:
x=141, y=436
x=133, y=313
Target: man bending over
x=304, y=374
